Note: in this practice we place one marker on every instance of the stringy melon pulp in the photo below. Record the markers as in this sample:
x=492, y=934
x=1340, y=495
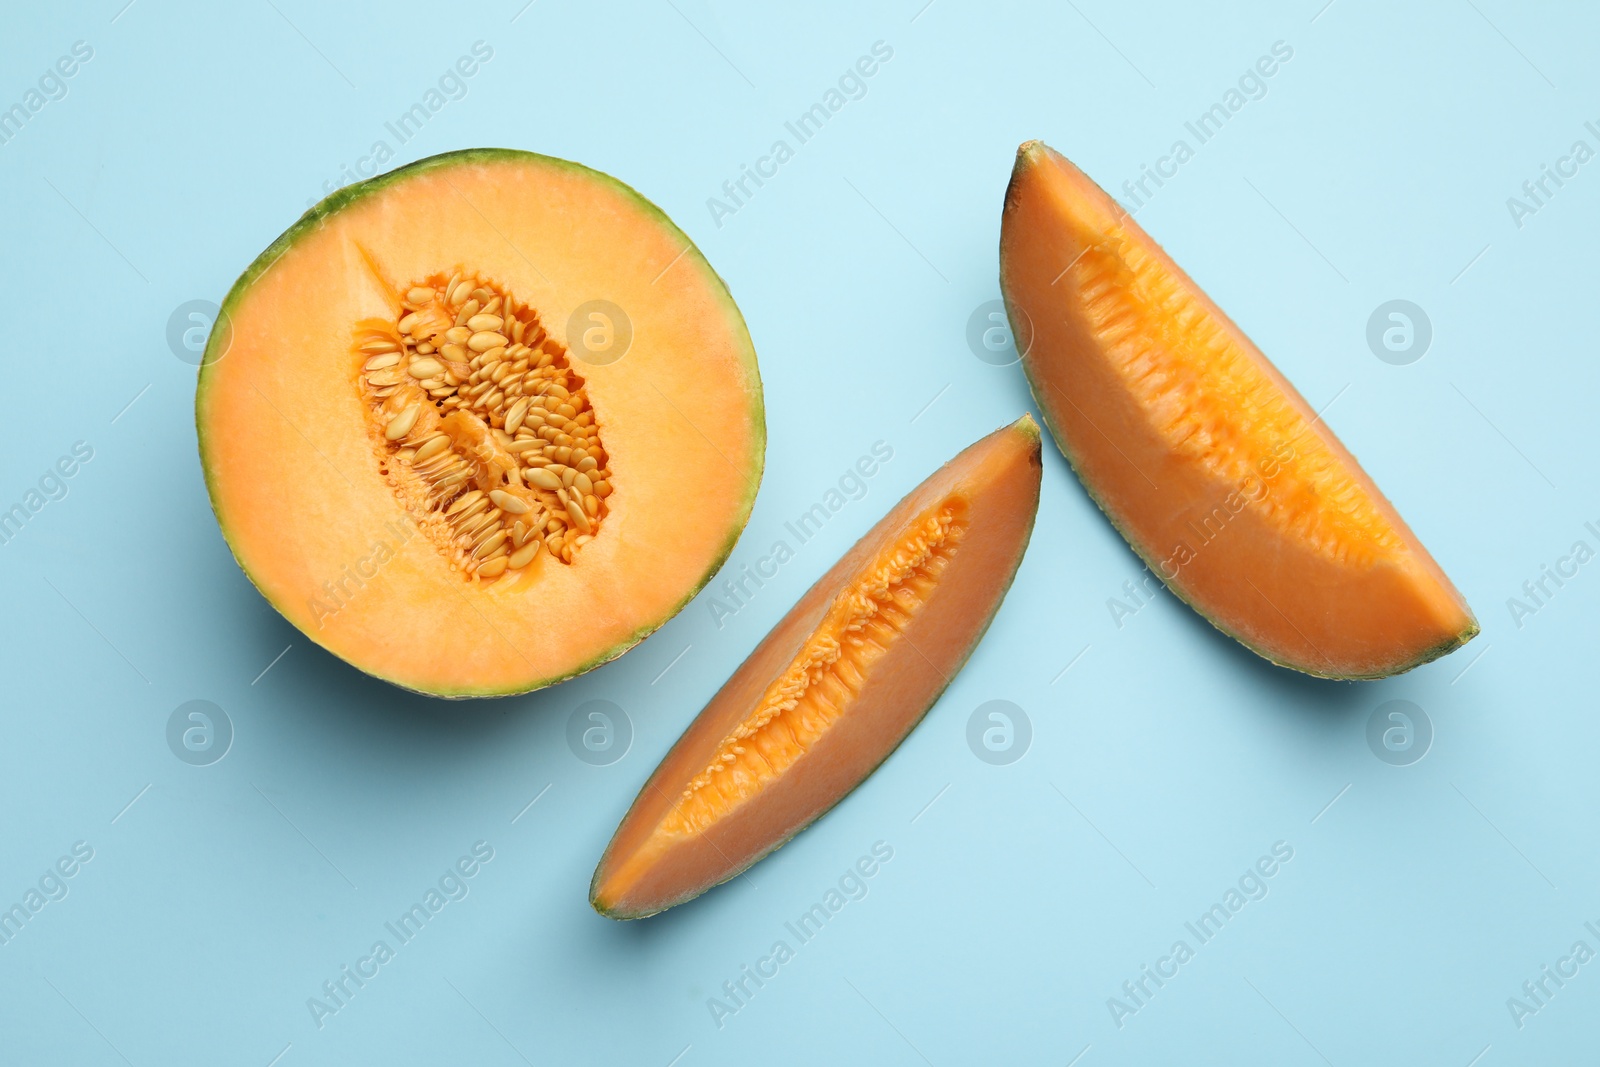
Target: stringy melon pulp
x=819, y=684
x=1211, y=401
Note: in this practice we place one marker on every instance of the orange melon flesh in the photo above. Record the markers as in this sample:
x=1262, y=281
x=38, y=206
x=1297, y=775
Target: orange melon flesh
x=1214, y=468
x=831, y=691
x=294, y=451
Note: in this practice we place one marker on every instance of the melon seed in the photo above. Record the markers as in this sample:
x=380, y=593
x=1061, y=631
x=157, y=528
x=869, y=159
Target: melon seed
x=515, y=416
x=432, y=447
x=401, y=424
x=464, y=501
x=481, y=526
x=490, y=543
x=508, y=503
x=542, y=478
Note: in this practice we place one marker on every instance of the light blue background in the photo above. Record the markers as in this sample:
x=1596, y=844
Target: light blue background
x=1162, y=764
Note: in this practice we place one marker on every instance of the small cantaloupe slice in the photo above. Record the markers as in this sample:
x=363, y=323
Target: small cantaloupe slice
x=1207, y=460
x=840, y=682
x=482, y=423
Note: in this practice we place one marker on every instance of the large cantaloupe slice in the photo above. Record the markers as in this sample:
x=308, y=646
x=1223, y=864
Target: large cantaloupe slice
x=835, y=687
x=1208, y=461
x=482, y=423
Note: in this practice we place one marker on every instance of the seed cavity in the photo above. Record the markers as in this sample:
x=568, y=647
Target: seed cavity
x=482, y=427
x=1171, y=351
x=861, y=625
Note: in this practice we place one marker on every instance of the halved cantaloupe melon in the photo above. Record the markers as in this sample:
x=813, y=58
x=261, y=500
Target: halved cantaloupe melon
x=835, y=687
x=1215, y=469
x=482, y=423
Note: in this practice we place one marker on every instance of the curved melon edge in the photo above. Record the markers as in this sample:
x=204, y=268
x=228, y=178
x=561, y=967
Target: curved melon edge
x=342, y=198
x=1036, y=388
x=1024, y=425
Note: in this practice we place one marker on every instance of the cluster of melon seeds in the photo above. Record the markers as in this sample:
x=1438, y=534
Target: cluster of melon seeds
x=482, y=428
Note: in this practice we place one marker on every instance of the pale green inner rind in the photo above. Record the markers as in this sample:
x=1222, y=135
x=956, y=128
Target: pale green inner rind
x=350, y=194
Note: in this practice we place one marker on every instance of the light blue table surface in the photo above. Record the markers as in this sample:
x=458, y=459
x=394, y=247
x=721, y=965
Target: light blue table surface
x=208, y=905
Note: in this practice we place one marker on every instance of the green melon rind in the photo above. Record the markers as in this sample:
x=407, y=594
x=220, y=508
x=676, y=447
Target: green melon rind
x=350, y=194
x=1025, y=426
x=1038, y=388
